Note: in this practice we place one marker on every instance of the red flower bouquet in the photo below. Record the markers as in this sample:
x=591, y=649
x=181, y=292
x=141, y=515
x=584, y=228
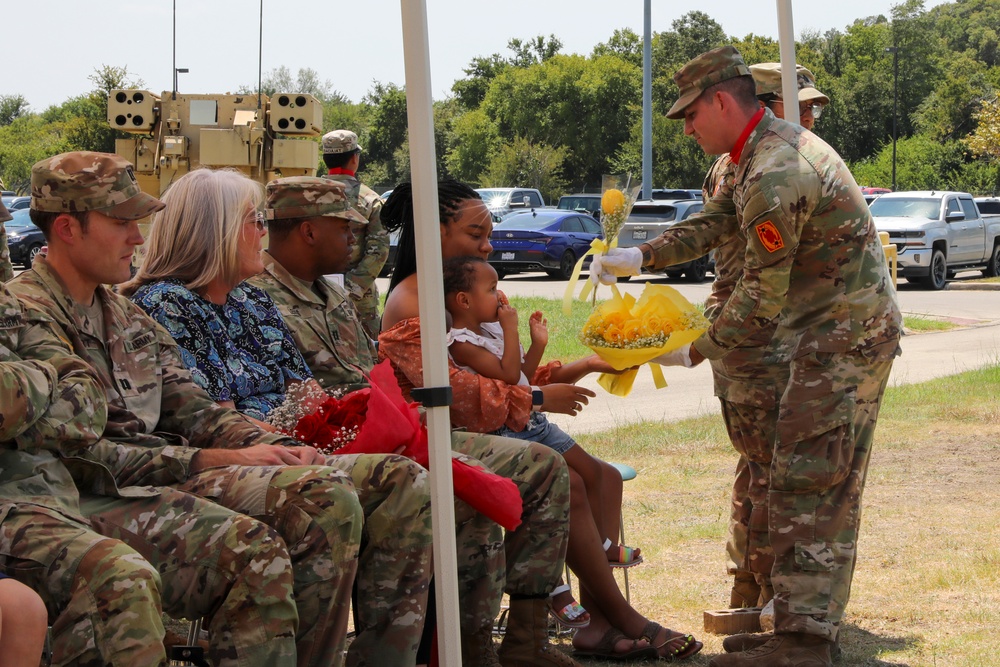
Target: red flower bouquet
x=378, y=420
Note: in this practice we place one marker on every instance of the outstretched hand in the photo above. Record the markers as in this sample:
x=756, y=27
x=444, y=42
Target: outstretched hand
x=567, y=399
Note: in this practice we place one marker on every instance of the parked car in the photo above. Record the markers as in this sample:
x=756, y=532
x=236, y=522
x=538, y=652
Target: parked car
x=390, y=262
x=549, y=240
x=24, y=239
x=675, y=193
x=651, y=218
x=586, y=203
x=504, y=200
x=15, y=202
x=938, y=233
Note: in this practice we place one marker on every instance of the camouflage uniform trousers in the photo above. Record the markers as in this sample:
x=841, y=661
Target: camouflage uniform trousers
x=195, y=557
x=826, y=426
x=749, y=390
x=395, y=564
x=528, y=560
x=316, y=513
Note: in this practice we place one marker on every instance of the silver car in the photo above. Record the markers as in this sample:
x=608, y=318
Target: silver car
x=650, y=218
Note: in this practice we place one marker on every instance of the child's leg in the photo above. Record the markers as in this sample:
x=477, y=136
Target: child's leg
x=23, y=624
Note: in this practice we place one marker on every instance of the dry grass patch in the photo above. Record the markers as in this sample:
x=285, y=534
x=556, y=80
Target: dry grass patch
x=927, y=587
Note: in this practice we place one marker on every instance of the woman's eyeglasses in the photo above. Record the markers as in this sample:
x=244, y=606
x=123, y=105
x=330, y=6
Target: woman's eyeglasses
x=815, y=109
x=258, y=220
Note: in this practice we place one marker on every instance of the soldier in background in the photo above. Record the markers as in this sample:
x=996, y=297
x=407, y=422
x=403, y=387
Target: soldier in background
x=342, y=156
x=103, y=595
x=6, y=269
x=87, y=205
x=813, y=259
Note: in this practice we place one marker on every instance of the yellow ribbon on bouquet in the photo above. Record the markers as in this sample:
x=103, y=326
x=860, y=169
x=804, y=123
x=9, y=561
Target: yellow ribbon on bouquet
x=661, y=313
x=597, y=247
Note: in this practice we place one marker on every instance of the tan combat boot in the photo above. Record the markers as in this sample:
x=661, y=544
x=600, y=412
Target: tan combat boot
x=746, y=591
x=526, y=643
x=785, y=650
x=478, y=649
x=747, y=642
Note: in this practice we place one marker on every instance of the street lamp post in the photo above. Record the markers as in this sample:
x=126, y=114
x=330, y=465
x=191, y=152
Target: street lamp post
x=894, y=50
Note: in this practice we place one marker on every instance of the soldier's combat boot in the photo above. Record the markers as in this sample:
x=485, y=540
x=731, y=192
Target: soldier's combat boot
x=747, y=641
x=526, y=643
x=785, y=650
x=478, y=649
x=746, y=591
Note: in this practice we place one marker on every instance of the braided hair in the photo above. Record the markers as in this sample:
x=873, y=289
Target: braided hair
x=397, y=213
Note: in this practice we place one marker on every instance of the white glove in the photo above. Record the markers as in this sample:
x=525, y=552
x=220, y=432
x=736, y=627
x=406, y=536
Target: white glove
x=615, y=262
x=679, y=357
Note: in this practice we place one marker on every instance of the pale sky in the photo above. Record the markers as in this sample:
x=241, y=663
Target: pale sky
x=52, y=46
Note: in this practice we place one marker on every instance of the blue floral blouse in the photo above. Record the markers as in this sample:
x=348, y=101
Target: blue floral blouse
x=240, y=352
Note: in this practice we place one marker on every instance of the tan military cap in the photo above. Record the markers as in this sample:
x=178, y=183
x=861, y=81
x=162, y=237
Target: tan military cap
x=309, y=197
x=340, y=141
x=4, y=213
x=706, y=70
x=87, y=181
x=767, y=76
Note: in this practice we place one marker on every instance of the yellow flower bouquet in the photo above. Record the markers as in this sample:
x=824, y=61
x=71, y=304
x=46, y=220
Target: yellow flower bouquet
x=627, y=333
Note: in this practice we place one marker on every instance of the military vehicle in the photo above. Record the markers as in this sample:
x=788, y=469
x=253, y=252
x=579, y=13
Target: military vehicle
x=175, y=133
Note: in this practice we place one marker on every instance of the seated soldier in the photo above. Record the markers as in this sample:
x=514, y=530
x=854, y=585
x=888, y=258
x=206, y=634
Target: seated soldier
x=326, y=329
x=105, y=596
x=87, y=205
x=233, y=341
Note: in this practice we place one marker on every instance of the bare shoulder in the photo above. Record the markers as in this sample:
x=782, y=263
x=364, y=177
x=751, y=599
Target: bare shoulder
x=401, y=303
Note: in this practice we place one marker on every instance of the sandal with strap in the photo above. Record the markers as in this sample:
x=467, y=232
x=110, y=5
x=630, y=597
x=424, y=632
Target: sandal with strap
x=622, y=556
x=678, y=646
x=605, y=649
x=570, y=616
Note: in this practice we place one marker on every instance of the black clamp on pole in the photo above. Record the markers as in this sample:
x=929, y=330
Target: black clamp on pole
x=432, y=397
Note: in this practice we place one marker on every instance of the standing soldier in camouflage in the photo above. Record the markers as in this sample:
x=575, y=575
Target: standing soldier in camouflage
x=339, y=352
x=342, y=156
x=87, y=205
x=746, y=379
x=813, y=259
x=103, y=595
x=6, y=270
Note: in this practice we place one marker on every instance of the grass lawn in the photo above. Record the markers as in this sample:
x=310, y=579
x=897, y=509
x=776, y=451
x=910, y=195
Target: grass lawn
x=927, y=586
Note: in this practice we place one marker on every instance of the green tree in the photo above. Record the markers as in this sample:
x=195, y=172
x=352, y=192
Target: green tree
x=24, y=142
x=387, y=130
x=533, y=51
x=480, y=73
x=473, y=143
x=307, y=80
x=12, y=107
x=522, y=163
x=625, y=44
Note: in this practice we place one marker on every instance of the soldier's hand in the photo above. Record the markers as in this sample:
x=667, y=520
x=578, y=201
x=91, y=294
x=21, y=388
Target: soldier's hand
x=616, y=262
x=269, y=455
x=308, y=456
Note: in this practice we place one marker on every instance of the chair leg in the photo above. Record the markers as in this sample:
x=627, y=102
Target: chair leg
x=621, y=530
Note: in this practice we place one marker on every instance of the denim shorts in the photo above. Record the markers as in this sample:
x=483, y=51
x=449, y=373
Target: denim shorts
x=542, y=431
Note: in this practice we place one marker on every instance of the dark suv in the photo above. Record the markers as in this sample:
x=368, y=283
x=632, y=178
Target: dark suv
x=24, y=240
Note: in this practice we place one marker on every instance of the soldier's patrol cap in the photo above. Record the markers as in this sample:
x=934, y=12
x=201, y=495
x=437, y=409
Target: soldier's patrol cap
x=340, y=141
x=767, y=76
x=88, y=181
x=298, y=197
x=4, y=213
x=706, y=70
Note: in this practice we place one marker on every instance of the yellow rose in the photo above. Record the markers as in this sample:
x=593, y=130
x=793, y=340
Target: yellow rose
x=612, y=200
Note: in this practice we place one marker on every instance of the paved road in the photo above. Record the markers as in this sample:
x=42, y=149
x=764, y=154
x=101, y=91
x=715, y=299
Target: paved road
x=974, y=344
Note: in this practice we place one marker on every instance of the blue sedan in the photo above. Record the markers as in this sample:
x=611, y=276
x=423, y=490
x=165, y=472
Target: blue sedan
x=549, y=240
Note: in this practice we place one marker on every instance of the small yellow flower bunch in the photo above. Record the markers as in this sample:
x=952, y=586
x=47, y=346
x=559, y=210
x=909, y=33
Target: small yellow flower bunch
x=627, y=333
x=617, y=196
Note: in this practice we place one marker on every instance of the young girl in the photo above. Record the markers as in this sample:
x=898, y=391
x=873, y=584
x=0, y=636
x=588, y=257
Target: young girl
x=484, y=339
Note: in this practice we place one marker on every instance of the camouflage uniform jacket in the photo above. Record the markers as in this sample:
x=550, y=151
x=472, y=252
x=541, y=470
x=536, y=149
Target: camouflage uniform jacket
x=812, y=252
x=51, y=403
x=6, y=268
x=372, y=249
x=158, y=417
x=324, y=324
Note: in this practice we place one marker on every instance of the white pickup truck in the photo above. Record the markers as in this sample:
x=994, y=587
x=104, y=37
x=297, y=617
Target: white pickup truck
x=938, y=233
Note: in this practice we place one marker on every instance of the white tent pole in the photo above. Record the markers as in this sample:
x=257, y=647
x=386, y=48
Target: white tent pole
x=420, y=119
x=789, y=85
